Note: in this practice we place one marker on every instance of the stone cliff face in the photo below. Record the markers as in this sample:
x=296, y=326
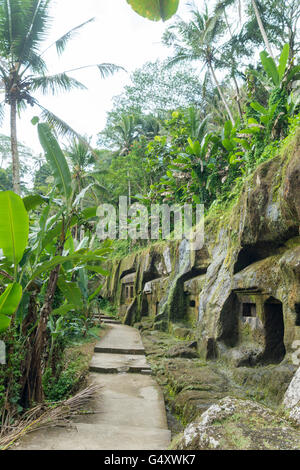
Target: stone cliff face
x=239, y=296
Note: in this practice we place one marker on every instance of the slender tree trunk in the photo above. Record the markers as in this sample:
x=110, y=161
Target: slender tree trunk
x=221, y=93
x=238, y=99
x=129, y=189
x=30, y=320
x=81, y=208
x=262, y=29
x=14, y=147
x=232, y=71
x=35, y=373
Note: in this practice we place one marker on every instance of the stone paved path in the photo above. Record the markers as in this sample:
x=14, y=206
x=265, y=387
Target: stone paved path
x=130, y=407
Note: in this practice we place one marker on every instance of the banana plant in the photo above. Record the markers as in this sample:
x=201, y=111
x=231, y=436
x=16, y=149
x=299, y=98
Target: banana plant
x=235, y=142
x=266, y=115
x=282, y=74
x=14, y=230
x=38, y=256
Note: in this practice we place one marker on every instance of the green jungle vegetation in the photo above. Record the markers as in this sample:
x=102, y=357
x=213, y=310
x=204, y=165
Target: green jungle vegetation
x=189, y=129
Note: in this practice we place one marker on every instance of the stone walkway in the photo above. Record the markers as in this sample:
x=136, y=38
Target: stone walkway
x=130, y=407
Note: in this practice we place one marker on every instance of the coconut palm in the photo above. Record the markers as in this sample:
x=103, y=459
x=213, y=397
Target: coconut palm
x=24, y=25
x=223, y=4
x=198, y=40
x=81, y=158
x=126, y=132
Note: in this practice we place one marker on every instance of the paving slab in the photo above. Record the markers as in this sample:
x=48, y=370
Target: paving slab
x=127, y=400
x=128, y=413
x=111, y=322
x=121, y=337
x=114, y=363
x=97, y=437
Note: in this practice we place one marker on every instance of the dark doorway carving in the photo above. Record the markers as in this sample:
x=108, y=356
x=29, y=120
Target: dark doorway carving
x=297, y=310
x=274, y=332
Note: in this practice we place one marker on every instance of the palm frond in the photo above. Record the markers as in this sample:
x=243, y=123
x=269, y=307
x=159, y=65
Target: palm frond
x=201, y=131
x=109, y=69
x=4, y=74
x=56, y=83
x=35, y=63
x=61, y=127
x=222, y=5
x=105, y=69
x=62, y=42
x=35, y=19
x=2, y=112
x=181, y=57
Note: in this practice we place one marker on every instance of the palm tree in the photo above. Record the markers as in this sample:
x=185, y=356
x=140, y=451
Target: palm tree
x=82, y=160
x=149, y=126
x=198, y=40
x=262, y=29
x=81, y=157
x=126, y=132
x=24, y=25
x=223, y=4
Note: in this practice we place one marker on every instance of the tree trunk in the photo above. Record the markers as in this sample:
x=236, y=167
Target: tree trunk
x=262, y=29
x=238, y=99
x=35, y=372
x=129, y=189
x=232, y=72
x=221, y=94
x=14, y=147
x=30, y=320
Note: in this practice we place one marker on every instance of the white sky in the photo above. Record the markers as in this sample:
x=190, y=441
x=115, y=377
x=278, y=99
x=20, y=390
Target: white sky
x=118, y=36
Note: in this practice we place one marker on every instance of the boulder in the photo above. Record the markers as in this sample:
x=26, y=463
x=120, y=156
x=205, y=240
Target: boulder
x=292, y=395
x=235, y=424
x=187, y=350
x=292, y=398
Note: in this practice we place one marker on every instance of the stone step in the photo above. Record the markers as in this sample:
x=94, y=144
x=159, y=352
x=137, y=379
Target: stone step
x=109, y=321
x=97, y=437
x=107, y=363
x=121, y=337
x=113, y=350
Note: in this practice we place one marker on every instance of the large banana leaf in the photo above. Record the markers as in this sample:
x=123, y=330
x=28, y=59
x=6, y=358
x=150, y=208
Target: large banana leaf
x=64, y=309
x=32, y=201
x=259, y=108
x=10, y=299
x=97, y=269
x=155, y=10
x=283, y=61
x=97, y=291
x=56, y=160
x=9, y=302
x=14, y=226
x=77, y=258
x=71, y=291
x=86, y=214
x=270, y=67
x=4, y=323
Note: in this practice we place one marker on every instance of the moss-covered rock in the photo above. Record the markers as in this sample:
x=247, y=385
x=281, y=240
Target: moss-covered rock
x=234, y=424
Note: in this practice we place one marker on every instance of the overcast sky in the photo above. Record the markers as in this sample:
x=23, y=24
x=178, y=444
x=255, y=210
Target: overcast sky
x=119, y=36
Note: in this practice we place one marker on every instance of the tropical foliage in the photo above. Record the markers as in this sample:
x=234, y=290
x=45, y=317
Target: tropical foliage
x=189, y=129
x=24, y=27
